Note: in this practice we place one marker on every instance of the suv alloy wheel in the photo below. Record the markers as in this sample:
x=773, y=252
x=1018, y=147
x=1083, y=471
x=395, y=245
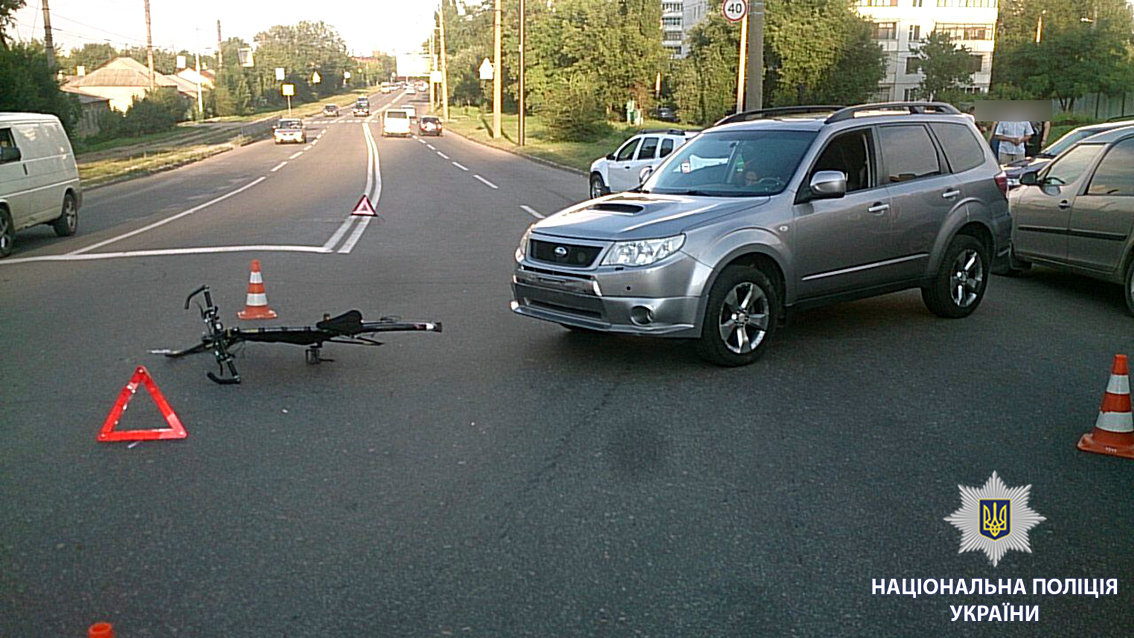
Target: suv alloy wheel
x=958, y=287
x=598, y=189
x=740, y=317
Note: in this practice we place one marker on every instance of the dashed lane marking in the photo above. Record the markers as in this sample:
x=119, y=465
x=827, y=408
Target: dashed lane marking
x=443, y=155
x=295, y=155
x=460, y=167
x=531, y=211
x=279, y=166
x=486, y=182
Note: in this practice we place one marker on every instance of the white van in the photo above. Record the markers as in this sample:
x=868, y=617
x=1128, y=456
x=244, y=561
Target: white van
x=39, y=182
x=395, y=122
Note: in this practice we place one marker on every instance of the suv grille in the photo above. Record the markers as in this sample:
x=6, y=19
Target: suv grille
x=576, y=256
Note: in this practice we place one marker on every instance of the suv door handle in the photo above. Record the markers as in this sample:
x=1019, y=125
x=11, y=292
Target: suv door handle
x=878, y=208
x=1064, y=204
x=950, y=194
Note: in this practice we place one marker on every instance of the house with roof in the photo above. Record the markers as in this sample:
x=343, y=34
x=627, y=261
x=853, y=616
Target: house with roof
x=93, y=108
x=122, y=80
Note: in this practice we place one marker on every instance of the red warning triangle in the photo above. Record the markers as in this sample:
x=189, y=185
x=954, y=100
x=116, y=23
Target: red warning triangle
x=364, y=208
x=175, y=430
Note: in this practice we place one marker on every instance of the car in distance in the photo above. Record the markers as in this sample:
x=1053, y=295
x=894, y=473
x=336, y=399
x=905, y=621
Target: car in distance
x=1077, y=212
x=429, y=125
x=396, y=122
x=331, y=110
x=411, y=90
x=1069, y=139
x=39, y=181
x=620, y=170
x=773, y=211
x=361, y=107
x=386, y=88
x=290, y=130
x=665, y=114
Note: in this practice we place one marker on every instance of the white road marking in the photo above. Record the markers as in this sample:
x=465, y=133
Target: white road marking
x=531, y=211
x=373, y=191
x=431, y=147
x=166, y=220
x=315, y=142
x=460, y=167
x=348, y=245
x=203, y=250
x=278, y=167
x=442, y=155
x=295, y=155
x=486, y=182
x=308, y=147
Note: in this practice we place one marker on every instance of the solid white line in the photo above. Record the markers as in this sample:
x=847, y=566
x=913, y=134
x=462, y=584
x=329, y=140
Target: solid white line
x=339, y=232
x=279, y=166
x=348, y=245
x=169, y=219
x=459, y=166
x=442, y=155
x=203, y=250
x=531, y=211
x=295, y=155
x=486, y=182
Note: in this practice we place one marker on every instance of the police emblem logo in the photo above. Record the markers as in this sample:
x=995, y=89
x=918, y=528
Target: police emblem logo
x=995, y=518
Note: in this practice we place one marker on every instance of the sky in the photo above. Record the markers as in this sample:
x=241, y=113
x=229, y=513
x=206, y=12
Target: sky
x=391, y=26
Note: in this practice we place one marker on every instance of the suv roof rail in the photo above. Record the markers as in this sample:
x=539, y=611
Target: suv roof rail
x=667, y=131
x=1121, y=118
x=757, y=114
x=913, y=108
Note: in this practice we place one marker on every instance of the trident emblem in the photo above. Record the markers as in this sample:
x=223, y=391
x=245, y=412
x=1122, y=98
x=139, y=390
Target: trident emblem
x=995, y=518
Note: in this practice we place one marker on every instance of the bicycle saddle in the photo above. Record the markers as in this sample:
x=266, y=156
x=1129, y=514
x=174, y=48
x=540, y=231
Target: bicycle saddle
x=348, y=323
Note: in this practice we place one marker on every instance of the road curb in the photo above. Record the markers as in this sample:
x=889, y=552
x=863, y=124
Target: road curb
x=537, y=160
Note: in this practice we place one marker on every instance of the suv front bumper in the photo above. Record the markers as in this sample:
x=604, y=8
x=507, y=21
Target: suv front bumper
x=665, y=302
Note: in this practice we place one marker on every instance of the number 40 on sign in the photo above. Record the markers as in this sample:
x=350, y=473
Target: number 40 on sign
x=734, y=10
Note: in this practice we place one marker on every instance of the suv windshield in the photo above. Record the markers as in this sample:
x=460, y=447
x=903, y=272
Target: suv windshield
x=289, y=124
x=736, y=163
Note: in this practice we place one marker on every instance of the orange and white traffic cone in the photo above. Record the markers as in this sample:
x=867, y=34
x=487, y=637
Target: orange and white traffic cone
x=1114, y=429
x=256, y=306
x=100, y=630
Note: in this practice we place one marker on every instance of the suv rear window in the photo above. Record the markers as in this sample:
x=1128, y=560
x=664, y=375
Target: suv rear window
x=960, y=145
x=909, y=152
x=397, y=115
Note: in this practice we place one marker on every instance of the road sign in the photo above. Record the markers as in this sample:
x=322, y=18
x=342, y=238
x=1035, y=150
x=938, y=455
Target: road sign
x=486, y=70
x=316, y=78
x=181, y=63
x=288, y=89
x=734, y=10
x=244, y=56
x=346, y=75
x=279, y=73
x=436, y=77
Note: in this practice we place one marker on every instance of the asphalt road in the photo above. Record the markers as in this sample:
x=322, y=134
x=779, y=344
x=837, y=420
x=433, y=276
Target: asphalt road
x=507, y=477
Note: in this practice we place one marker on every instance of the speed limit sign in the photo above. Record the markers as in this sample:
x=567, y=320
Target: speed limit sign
x=734, y=10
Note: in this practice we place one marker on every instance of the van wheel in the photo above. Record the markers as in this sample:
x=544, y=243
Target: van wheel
x=958, y=287
x=1129, y=285
x=741, y=316
x=7, y=233
x=68, y=221
x=598, y=189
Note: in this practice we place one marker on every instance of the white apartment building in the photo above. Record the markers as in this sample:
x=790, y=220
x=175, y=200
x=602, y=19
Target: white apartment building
x=898, y=24
x=673, y=31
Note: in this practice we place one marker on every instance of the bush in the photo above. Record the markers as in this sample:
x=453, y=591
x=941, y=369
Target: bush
x=28, y=84
x=159, y=111
x=572, y=110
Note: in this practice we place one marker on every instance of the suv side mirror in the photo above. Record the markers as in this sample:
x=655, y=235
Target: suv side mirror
x=610, y=157
x=9, y=154
x=1029, y=178
x=828, y=185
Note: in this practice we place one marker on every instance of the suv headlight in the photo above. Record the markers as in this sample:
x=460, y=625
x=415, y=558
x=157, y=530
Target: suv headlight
x=644, y=252
x=522, y=249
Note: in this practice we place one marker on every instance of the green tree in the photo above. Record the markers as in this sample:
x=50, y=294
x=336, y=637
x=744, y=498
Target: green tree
x=30, y=84
x=706, y=78
x=945, y=65
x=8, y=9
x=1064, y=49
x=572, y=110
x=91, y=56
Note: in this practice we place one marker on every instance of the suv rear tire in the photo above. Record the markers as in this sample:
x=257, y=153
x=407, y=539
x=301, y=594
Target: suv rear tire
x=741, y=316
x=598, y=188
x=1128, y=283
x=958, y=287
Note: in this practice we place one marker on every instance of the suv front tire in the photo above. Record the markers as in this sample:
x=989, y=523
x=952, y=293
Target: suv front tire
x=741, y=316
x=958, y=287
x=598, y=188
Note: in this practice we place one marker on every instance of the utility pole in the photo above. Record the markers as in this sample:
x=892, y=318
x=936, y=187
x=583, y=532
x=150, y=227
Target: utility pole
x=497, y=71
x=521, y=135
x=755, y=90
x=220, y=52
x=432, y=67
x=740, y=64
x=444, y=70
x=48, y=43
x=197, y=53
x=149, y=46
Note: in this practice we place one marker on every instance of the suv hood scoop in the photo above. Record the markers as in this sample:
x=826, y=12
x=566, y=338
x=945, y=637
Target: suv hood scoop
x=645, y=216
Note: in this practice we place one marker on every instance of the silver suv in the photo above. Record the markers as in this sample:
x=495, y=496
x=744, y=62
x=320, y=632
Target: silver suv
x=771, y=211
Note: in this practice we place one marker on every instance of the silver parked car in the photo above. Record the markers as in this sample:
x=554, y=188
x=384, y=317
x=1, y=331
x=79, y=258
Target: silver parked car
x=771, y=211
x=1077, y=213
